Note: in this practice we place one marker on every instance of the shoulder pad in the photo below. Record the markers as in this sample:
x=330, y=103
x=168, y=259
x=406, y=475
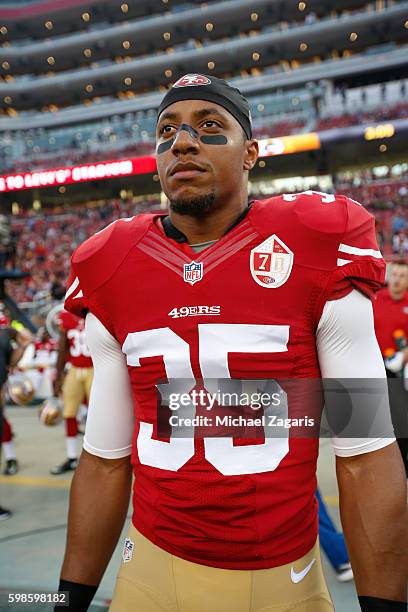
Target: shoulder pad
x=324, y=230
x=320, y=212
x=96, y=259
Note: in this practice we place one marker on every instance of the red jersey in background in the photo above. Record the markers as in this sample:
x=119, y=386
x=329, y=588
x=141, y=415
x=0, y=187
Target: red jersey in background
x=79, y=355
x=389, y=316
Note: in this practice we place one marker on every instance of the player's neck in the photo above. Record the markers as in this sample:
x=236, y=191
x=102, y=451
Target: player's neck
x=211, y=227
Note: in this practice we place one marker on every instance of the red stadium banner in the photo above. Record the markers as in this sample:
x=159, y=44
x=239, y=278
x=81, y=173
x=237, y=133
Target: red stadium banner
x=77, y=174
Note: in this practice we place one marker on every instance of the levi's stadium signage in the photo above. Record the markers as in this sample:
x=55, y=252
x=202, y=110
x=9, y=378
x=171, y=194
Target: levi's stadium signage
x=54, y=177
x=77, y=174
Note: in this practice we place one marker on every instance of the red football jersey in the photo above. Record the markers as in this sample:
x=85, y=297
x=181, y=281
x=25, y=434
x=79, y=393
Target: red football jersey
x=246, y=307
x=389, y=316
x=79, y=355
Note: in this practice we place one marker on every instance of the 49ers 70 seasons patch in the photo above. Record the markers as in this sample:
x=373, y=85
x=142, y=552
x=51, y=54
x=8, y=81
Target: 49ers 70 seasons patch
x=271, y=263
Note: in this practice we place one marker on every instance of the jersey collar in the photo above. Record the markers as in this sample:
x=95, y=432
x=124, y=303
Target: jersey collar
x=175, y=234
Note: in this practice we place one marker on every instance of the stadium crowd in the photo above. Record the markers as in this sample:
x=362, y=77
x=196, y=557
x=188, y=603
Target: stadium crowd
x=45, y=242
x=386, y=113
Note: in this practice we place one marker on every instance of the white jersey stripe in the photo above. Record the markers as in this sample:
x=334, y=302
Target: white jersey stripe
x=343, y=262
x=79, y=295
x=72, y=288
x=346, y=248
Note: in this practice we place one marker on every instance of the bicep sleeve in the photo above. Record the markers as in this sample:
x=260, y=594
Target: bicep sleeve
x=110, y=423
x=348, y=349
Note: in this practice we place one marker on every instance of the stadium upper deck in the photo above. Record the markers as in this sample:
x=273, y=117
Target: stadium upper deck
x=144, y=54
x=80, y=81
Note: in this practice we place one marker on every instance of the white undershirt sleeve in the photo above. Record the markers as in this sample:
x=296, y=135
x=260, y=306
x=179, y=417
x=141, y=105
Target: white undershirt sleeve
x=110, y=423
x=347, y=348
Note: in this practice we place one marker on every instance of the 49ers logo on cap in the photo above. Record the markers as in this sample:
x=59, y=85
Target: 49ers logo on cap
x=271, y=263
x=189, y=80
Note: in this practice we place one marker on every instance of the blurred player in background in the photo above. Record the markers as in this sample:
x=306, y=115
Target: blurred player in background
x=21, y=392
x=391, y=328
x=11, y=466
x=13, y=343
x=39, y=362
x=75, y=385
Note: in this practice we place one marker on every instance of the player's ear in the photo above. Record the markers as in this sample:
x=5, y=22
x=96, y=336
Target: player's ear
x=251, y=154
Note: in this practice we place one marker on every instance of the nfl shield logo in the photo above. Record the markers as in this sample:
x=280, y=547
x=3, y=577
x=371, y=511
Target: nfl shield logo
x=193, y=272
x=127, y=550
x=271, y=263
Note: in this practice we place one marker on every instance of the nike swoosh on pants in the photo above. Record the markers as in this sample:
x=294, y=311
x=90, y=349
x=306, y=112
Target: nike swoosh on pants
x=298, y=576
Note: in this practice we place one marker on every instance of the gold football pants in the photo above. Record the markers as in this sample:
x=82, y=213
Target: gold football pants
x=154, y=580
x=76, y=389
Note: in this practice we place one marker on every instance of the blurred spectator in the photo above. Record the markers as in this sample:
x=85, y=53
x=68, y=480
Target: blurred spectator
x=7, y=248
x=399, y=222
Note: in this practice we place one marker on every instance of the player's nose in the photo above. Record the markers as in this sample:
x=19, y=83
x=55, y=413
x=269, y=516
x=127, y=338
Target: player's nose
x=184, y=141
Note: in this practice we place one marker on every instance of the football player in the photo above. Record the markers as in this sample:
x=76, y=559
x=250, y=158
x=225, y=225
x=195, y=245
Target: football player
x=13, y=344
x=76, y=386
x=218, y=289
x=391, y=328
x=11, y=467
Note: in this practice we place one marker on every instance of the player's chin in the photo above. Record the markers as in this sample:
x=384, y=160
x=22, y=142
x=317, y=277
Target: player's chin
x=194, y=205
x=187, y=192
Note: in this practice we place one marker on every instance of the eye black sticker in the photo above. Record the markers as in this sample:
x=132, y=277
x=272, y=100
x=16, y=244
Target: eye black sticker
x=213, y=139
x=187, y=128
x=165, y=146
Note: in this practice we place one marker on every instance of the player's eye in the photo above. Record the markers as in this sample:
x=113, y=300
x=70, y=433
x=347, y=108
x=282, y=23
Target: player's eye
x=210, y=123
x=166, y=129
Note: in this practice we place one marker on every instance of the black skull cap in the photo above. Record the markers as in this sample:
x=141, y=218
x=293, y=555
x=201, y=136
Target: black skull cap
x=212, y=89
